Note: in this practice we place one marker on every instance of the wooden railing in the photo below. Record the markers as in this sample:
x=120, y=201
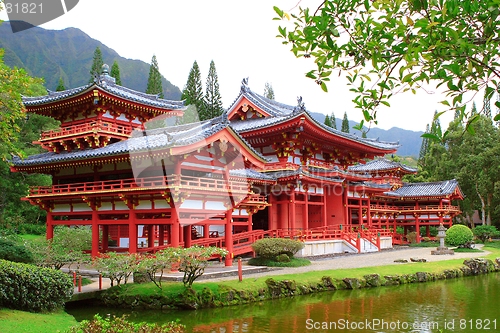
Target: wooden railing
x=409, y=209
x=172, y=181
x=95, y=126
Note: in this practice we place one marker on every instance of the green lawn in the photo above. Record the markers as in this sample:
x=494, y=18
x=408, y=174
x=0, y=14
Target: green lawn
x=14, y=321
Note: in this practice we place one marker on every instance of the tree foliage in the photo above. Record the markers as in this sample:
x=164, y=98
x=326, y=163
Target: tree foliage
x=60, y=85
x=154, y=80
x=193, y=261
x=485, y=232
x=268, y=91
x=213, y=100
x=65, y=249
x=345, y=124
x=387, y=47
x=328, y=122
x=192, y=94
x=472, y=160
x=97, y=62
x=115, y=72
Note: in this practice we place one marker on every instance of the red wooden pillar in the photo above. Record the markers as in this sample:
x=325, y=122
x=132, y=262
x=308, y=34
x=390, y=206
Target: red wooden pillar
x=132, y=233
x=161, y=235
x=151, y=235
x=228, y=234
x=187, y=236
x=50, y=226
x=206, y=231
x=345, y=194
x=305, y=212
x=105, y=238
x=250, y=222
x=324, y=211
x=174, y=233
x=95, y=234
x=292, y=217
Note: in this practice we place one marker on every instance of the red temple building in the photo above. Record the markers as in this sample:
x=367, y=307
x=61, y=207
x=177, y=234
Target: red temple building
x=262, y=169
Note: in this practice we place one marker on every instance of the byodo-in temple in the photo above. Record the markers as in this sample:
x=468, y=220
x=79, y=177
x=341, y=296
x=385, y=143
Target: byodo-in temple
x=263, y=169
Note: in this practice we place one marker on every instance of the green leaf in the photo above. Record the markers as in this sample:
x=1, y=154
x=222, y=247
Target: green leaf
x=278, y=11
x=323, y=86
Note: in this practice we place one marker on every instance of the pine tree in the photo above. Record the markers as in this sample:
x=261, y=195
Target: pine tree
x=154, y=80
x=436, y=125
x=213, y=100
x=192, y=94
x=268, y=91
x=60, y=85
x=97, y=62
x=328, y=122
x=333, y=120
x=345, y=124
x=115, y=72
x=424, y=148
x=486, y=103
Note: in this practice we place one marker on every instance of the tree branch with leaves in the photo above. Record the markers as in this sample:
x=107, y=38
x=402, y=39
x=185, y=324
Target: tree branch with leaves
x=389, y=47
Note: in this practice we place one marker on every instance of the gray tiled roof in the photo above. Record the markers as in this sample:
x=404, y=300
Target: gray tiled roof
x=105, y=83
x=443, y=188
x=301, y=172
x=380, y=164
x=168, y=137
x=281, y=112
x=252, y=174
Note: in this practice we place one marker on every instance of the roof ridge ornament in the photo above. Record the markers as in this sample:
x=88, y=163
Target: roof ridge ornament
x=244, y=85
x=300, y=106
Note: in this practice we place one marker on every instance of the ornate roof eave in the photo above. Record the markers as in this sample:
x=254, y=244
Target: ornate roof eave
x=103, y=86
x=448, y=189
x=382, y=164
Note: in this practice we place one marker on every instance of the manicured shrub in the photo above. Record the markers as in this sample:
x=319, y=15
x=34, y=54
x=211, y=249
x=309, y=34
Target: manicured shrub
x=283, y=258
x=485, y=232
x=458, y=235
x=120, y=324
x=11, y=251
x=412, y=237
x=31, y=288
x=270, y=248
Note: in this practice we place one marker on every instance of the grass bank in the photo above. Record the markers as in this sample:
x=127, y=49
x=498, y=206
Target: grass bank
x=231, y=292
x=14, y=321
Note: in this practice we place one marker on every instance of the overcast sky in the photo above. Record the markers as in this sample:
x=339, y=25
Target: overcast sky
x=240, y=36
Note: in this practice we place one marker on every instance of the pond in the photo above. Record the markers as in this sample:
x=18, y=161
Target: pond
x=459, y=305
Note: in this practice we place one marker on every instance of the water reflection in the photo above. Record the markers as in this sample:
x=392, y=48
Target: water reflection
x=462, y=305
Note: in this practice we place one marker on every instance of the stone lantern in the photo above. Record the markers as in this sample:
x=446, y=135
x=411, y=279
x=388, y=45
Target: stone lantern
x=442, y=249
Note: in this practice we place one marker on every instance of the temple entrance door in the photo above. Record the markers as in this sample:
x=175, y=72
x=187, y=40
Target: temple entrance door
x=260, y=219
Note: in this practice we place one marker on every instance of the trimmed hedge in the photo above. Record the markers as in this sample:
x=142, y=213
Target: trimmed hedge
x=31, y=288
x=271, y=248
x=458, y=235
x=14, y=252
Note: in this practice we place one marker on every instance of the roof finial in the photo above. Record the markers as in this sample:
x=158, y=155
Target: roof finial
x=244, y=85
x=105, y=69
x=300, y=105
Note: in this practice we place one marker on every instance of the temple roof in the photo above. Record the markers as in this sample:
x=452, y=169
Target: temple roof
x=432, y=189
x=381, y=164
x=142, y=141
x=280, y=113
x=269, y=106
x=105, y=83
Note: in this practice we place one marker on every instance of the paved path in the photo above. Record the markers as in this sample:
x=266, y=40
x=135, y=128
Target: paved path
x=218, y=272
x=385, y=257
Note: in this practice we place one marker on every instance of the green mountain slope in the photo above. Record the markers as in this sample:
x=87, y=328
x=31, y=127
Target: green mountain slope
x=68, y=53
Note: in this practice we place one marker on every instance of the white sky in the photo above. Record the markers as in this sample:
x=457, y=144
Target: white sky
x=240, y=36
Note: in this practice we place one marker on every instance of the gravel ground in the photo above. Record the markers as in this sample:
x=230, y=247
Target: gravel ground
x=385, y=257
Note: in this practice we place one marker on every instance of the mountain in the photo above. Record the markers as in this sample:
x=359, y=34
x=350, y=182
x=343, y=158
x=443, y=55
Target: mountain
x=68, y=53
x=410, y=141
